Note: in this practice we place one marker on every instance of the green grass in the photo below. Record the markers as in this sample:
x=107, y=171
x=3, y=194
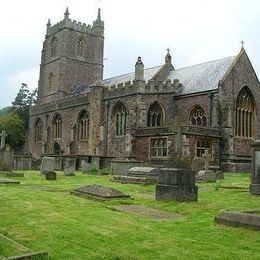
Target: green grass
x=43, y=216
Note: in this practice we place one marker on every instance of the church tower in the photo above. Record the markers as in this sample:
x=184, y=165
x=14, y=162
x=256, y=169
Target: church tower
x=72, y=54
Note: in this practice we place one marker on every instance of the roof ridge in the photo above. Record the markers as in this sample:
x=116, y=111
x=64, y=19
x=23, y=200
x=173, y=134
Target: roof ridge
x=131, y=72
x=205, y=62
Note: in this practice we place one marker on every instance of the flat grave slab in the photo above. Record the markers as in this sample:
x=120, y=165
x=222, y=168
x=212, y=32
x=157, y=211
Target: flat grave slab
x=148, y=212
x=247, y=219
x=9, y=181
x=99, y=192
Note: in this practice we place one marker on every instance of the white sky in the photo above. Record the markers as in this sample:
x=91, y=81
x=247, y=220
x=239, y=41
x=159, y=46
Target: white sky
x=195, y=31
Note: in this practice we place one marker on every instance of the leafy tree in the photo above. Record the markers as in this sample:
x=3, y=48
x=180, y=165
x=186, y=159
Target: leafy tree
x=23, y=102
x=14, y=127
x=5, y=111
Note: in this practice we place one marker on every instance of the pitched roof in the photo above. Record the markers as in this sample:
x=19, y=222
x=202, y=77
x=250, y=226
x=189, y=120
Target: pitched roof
x=148, y=74
x=201, y=77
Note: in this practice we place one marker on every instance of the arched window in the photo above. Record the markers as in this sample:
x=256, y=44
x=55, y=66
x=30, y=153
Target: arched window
x=80, y=47
x=50, y=81
x=54, y=43
x=155, y=115
x=38, y=130
x=57, y=123
x=83, y=126
x=245, y=113
x=198, y=116
x=120, y=119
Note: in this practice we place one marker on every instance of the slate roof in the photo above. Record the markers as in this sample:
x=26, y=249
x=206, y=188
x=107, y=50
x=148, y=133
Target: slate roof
x=81, y=89
x=148, y=74
x=201, y=77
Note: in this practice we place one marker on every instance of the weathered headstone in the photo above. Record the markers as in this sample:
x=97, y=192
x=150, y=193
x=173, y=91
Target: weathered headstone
x=6, y=158
x=247, y=219
x=85, y=167
x=51, y=176
x=99, y=192
x=255, y=175
x=48, y=164
x=2, y=143
x=139, y=175
x=206, y=174
x=177, y=184
x=69, y=171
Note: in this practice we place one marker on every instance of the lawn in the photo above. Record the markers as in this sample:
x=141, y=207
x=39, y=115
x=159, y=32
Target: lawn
x=42, y=216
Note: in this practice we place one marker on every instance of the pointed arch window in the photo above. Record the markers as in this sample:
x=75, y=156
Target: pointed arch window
x=83, y=126
x=80, y=47
x=54, y=44
x=245, y=113
x=50, y=81
x=120, y=119
x=155, y=115
x=38, y=130
x=198, y=116
x=57, y=126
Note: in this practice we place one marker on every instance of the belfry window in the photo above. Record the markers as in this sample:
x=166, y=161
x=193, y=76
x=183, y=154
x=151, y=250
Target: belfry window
x=50, y=81
x=57, y=123
x=158, y=147
x=54, y=43
x=245, y=114
x=80, y=47
x=120, y=119
x=38, y=130
x=198, y=116
x=83, y=126
x=155, y=115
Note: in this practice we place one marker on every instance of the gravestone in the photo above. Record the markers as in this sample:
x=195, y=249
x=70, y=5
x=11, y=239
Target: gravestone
x=48, y=164
x=247, y=219
x=99, y=192
x=85, y=167
x=206, y=174
x=6, y=158
x=2, y=143
x=139, y=175
x=254, y=187
x=176, y=184
x=69, y=171
x=51, y=176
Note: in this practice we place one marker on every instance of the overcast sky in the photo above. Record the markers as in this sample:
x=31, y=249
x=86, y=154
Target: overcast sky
x=195, y=31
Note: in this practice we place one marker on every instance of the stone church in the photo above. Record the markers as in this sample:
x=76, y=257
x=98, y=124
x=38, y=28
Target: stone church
x=152, y=115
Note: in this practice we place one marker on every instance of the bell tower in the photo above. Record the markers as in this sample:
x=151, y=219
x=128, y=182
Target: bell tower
x=72, y=54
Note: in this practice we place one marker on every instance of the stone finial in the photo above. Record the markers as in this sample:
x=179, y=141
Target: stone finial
x=66, y=14
x=49, y=23
x=139, y=69
x=99, y=15
x=168, y=57
x=242, y=44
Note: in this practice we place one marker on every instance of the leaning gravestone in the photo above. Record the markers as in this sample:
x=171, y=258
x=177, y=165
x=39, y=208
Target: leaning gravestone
x=176, y=184
x=85, y=167
x=255, y=175
x=98, y=192
x=48, y=164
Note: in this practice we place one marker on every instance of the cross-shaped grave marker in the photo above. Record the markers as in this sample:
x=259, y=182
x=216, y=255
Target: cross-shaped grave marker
x=206, y=156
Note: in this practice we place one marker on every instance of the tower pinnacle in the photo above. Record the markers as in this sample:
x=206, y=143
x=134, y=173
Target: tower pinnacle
x=99, y=16
x=66, y=14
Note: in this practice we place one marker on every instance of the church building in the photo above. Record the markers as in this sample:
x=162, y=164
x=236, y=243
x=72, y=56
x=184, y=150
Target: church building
x=154, y=115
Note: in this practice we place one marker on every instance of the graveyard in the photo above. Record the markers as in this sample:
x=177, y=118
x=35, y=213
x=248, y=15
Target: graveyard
x=40, y=215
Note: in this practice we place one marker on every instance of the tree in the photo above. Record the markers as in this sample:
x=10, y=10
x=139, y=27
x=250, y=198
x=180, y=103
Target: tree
x=23, y=102
x=14, y=127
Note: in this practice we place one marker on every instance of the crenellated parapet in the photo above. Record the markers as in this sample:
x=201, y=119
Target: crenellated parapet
x=67, y=102
x=97, y=29
x=149, y=87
